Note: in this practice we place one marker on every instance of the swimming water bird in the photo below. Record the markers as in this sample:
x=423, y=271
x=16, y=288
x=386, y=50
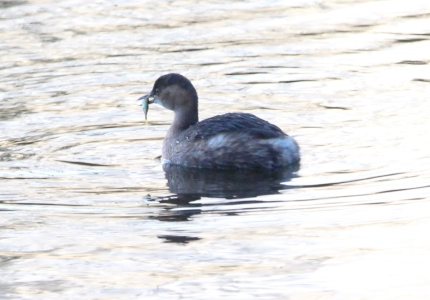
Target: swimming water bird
x=228, y=141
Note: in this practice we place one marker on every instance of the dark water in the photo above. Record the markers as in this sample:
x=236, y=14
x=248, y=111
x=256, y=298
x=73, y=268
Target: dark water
x=87, y=211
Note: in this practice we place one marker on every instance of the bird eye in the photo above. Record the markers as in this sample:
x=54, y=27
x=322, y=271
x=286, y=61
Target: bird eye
x=156, y=91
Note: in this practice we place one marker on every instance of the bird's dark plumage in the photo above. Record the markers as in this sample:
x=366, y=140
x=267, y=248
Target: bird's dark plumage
x=232, y=140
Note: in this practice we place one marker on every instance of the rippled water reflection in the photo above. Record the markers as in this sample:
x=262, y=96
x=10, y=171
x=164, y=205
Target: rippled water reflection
x=88, y=211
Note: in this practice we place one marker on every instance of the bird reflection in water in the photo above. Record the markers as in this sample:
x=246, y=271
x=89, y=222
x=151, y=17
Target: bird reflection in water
x=190, y=184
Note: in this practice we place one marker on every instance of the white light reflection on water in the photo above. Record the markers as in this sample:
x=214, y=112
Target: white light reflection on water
x=87, y=210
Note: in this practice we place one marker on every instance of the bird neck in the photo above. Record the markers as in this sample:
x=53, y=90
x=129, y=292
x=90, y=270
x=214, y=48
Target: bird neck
x=184, y=118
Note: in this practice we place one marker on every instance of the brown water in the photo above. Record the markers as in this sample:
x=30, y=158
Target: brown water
x=86, y=210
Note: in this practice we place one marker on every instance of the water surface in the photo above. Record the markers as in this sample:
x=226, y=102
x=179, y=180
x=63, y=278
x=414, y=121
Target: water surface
x=88, y=211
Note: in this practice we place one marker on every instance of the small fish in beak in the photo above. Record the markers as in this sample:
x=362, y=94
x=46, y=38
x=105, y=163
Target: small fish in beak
x=145, y=105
